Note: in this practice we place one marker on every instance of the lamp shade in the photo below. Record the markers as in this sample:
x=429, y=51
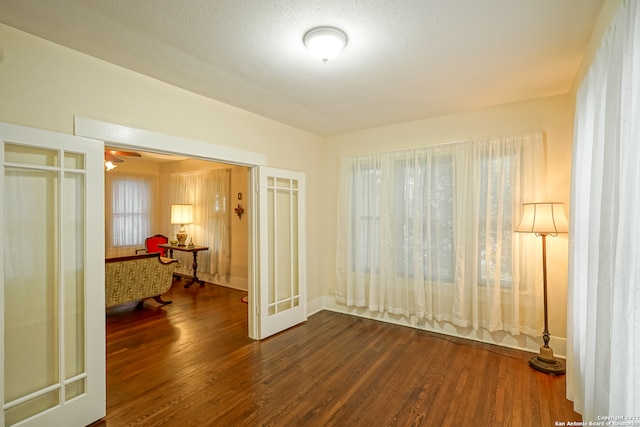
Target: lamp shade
x=543, y=218
x=325, y=43
x=181, y=214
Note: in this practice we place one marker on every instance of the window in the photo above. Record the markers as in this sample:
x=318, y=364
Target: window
x=424, y=210
x=429, y=231
x=208, y=191
x=366, y=222
x=495, y=237
x=428, y=208
x=130, y=211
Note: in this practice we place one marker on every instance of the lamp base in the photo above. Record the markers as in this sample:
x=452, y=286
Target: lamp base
x=182, y=237
x=545, y=362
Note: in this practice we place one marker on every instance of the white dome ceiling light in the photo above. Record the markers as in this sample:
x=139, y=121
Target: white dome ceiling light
x=325, y=43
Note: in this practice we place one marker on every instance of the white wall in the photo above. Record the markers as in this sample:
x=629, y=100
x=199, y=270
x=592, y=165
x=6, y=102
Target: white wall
x=44, y=85
x=552, y=115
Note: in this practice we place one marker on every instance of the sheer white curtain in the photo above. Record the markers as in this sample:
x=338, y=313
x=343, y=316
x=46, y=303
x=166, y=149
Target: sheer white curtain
x=208, y=192
x=128, y=209
x=603, y=360
x=429, y=232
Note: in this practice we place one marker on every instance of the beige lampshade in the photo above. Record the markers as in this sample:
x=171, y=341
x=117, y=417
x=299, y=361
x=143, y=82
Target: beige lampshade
x=181, y=214
x=543, y=218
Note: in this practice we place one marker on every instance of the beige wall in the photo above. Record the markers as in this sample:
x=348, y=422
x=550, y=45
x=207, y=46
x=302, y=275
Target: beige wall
x=44, y=85
x=552, y=115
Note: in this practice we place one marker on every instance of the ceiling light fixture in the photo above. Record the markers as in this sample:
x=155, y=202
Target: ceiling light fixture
x=109, y=165
x=325, y=43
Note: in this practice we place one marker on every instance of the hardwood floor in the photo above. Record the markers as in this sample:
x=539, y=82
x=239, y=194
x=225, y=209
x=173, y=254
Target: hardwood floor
x=190, y=363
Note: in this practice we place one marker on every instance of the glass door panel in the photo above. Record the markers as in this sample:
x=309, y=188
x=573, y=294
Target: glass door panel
x=31, y=330
x=52, y=207
x=74, y=274
x=281, y=225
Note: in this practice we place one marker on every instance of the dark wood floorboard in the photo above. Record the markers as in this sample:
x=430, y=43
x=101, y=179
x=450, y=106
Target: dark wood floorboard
x=191, y=363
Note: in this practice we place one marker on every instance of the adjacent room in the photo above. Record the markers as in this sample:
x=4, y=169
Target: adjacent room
x=140, y=189
x=432, y=220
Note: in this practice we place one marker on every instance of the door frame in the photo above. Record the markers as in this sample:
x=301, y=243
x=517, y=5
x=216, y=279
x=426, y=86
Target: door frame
x=137, y=139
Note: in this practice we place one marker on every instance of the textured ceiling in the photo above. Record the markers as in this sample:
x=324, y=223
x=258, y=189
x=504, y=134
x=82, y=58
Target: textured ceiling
x=405, y=60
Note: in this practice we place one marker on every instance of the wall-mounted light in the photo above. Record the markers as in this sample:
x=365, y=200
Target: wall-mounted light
x=239, y=210
x=325, y=43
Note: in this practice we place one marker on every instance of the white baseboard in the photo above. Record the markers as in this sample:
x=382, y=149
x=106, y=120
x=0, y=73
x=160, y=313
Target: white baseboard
x=520, y=342
x=315, y=305
x=238, y=283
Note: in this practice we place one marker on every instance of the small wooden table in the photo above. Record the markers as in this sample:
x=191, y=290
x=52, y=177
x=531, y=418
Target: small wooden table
x=192, y=249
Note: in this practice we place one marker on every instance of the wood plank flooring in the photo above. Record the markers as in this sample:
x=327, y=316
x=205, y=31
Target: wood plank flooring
x=190, y=363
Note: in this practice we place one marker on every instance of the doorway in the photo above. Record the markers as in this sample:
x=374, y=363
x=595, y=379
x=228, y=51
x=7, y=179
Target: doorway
x=145, y=185
x=277, y=281
x=141, y=140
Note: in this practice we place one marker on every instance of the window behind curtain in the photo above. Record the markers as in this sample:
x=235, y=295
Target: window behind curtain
x=427, y=216
x=429, y=232
x=495, y=246
x=208, y=191
x=435, y=233
x=131, y=211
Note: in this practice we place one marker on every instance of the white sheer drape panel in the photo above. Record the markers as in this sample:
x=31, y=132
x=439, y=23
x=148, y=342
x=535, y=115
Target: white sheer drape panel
x=208, y=192
x=129, y=202
x=603, y=318
x=429, y=232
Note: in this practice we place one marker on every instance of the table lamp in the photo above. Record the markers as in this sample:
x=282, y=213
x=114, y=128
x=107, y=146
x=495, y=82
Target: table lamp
x=181, y=214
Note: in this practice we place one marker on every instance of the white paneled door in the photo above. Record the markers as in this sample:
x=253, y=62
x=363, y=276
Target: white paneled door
x=281, y=287
x=52, y=285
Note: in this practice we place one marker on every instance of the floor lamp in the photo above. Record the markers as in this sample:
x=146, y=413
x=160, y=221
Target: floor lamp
x=544, y=219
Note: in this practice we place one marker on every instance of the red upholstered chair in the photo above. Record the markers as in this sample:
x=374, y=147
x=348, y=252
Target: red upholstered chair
x=151, y=244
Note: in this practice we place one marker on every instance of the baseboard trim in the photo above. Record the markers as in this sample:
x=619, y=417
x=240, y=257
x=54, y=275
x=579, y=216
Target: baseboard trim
x=314, y=306
x=234, y=283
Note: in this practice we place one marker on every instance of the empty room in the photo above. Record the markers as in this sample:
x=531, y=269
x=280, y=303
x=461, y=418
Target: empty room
x=369, y=213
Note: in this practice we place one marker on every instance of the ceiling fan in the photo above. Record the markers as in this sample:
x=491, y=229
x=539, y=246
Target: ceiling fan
x=111, y=157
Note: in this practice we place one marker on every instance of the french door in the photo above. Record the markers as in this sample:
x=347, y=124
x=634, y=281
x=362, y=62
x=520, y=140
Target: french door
x=52, y=286
x=280, y=285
